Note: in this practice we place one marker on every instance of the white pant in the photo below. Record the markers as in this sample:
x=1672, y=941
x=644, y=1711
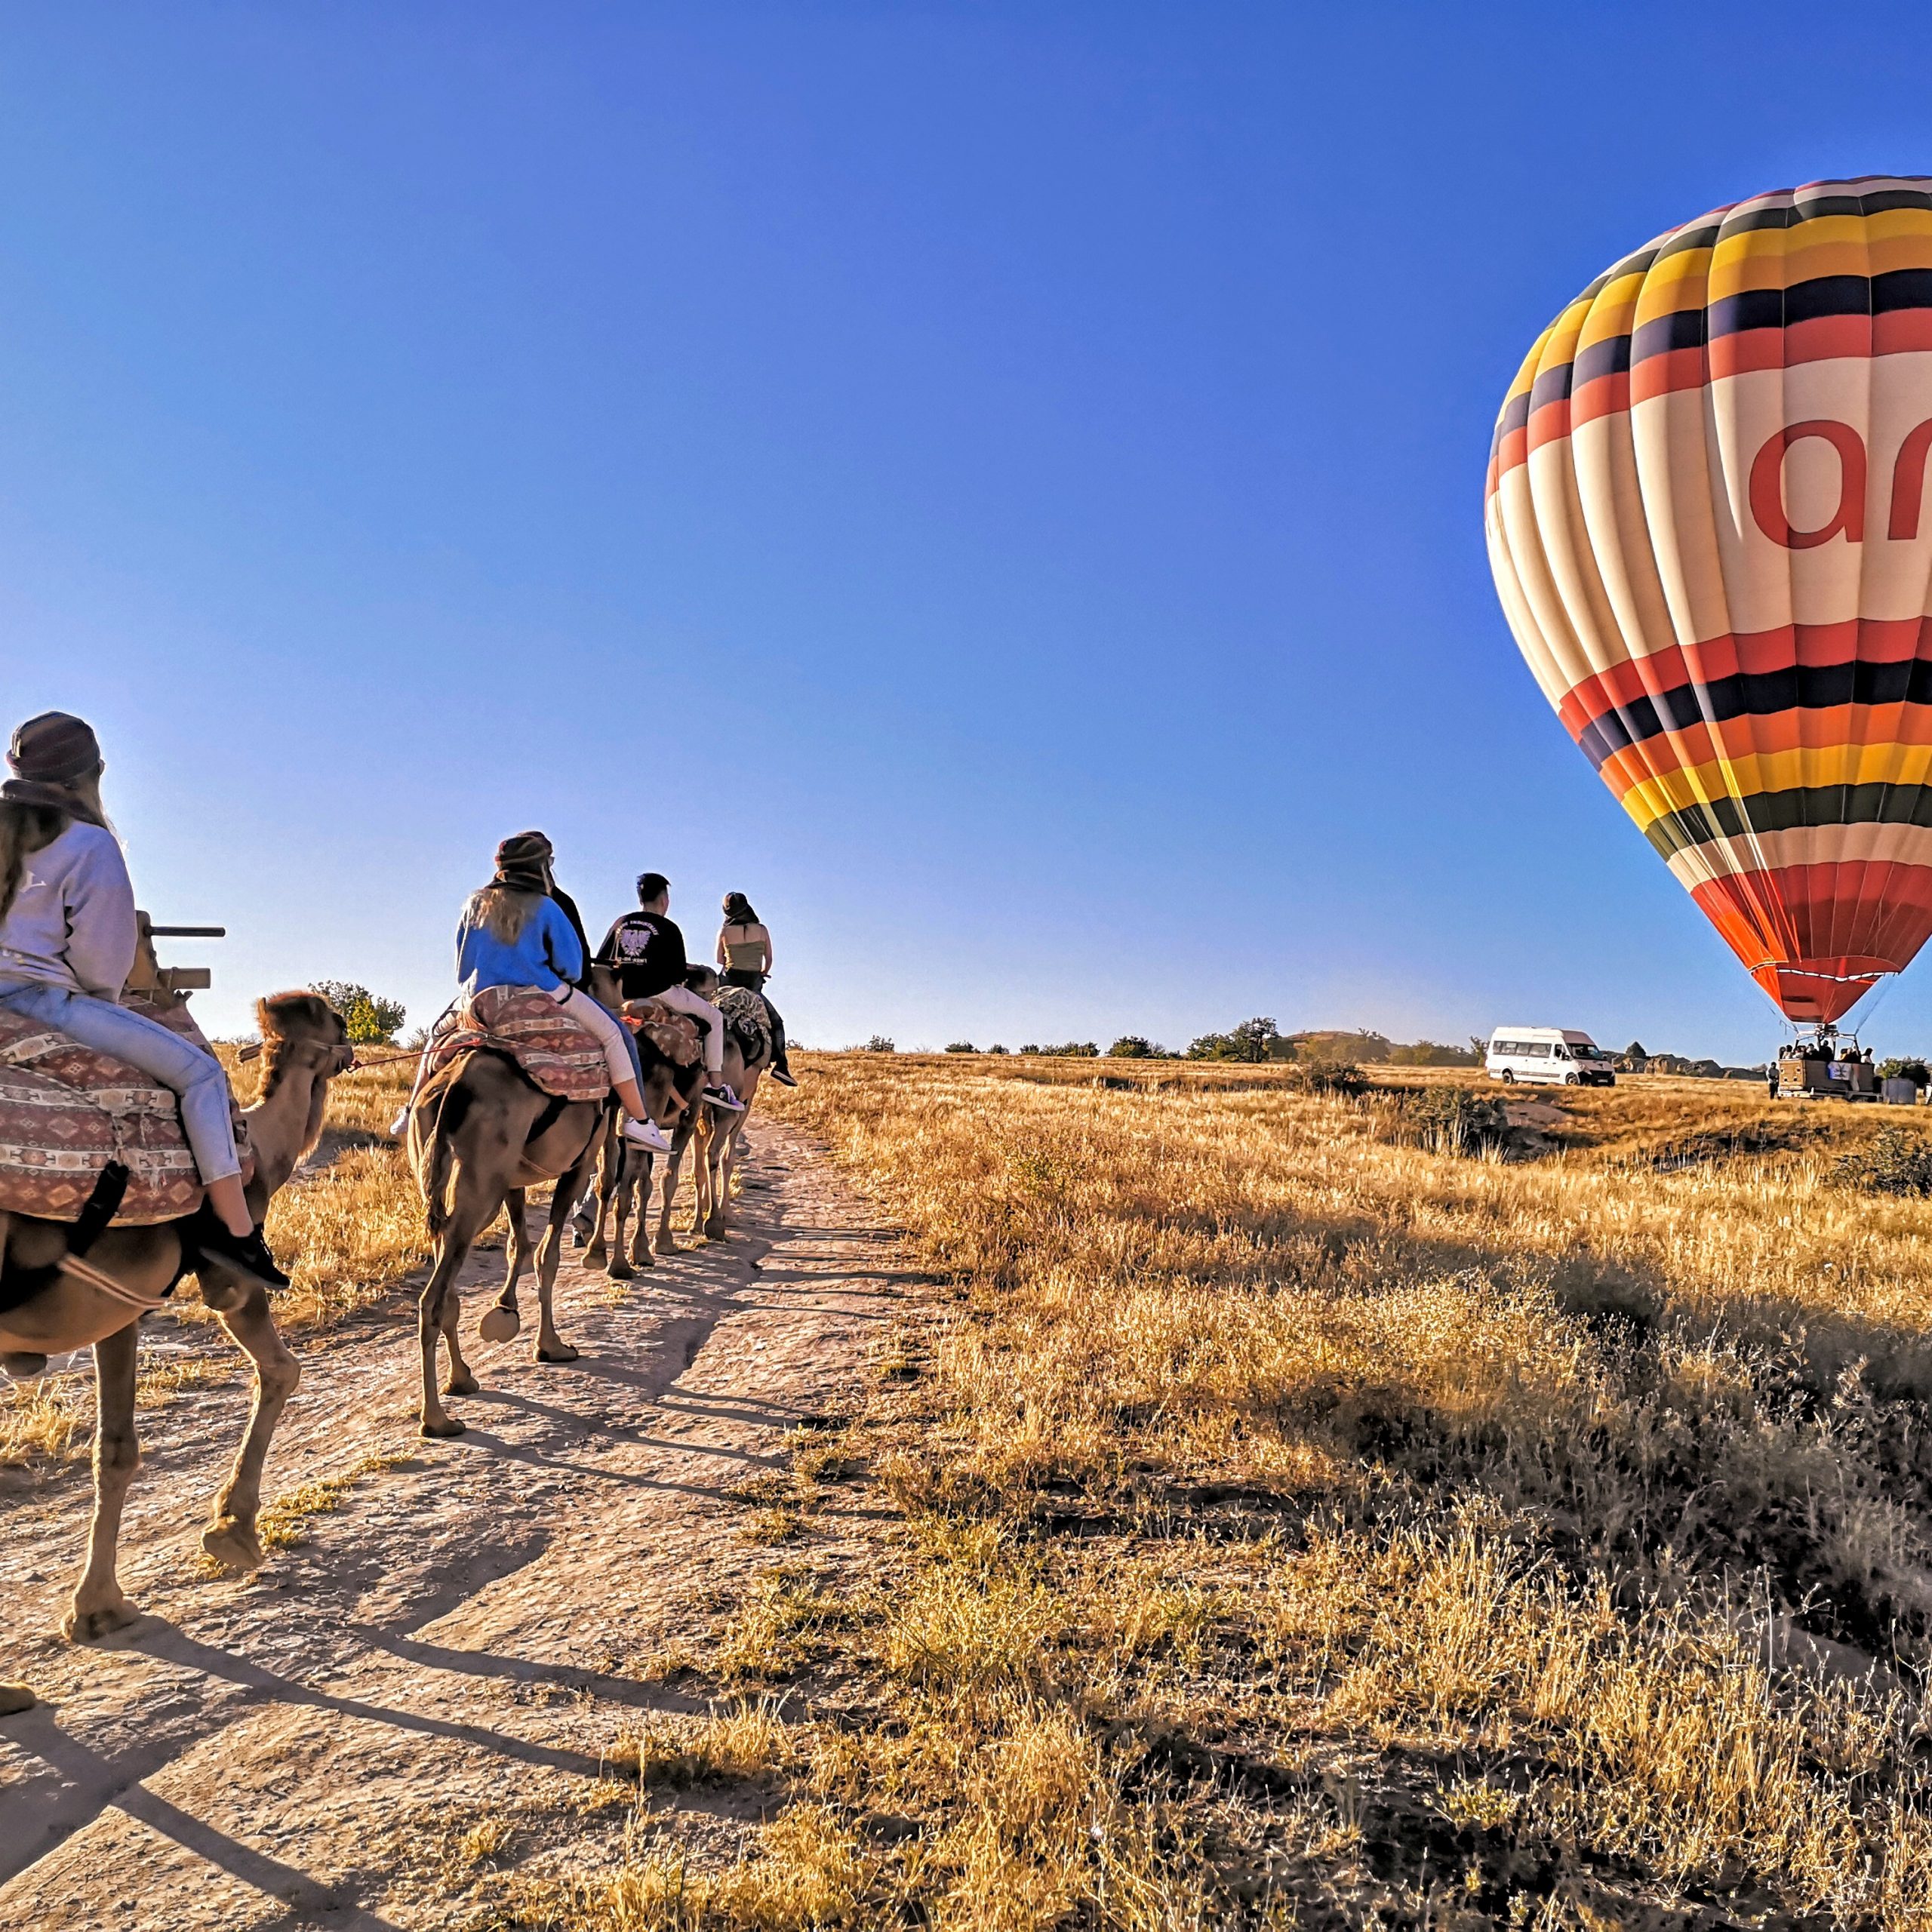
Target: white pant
x=681, y=999
x=608, y=1033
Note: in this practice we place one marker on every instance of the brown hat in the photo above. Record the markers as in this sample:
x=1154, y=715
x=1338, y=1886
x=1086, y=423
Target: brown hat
x=54, y=748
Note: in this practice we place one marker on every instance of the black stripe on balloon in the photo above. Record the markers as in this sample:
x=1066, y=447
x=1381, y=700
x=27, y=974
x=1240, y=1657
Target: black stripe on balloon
x=1789, y=811
x=1891, y=293
x=1756, y=695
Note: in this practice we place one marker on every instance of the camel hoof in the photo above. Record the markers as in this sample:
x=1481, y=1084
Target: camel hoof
x=667, y=1245
x=595, y=1255
x=234, y=1546
x=559, y=1351
x=465, y=1384
x=15, y=1698
x=443, y=1426
x=499, y=1324
x=714, y=1230
x=618, y=1269
x=640, y=1258
x=89, y=1626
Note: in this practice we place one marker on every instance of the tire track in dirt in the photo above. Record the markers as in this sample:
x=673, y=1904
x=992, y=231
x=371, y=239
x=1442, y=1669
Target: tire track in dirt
x=460, y=1637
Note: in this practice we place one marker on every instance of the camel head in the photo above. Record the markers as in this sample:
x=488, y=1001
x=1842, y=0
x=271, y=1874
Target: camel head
x=302, y=1029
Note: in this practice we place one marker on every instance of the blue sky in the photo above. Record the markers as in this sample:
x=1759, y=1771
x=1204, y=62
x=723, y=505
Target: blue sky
x=1000, y=484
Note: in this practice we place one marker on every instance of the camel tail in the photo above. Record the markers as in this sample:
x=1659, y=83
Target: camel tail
x=438, y=1168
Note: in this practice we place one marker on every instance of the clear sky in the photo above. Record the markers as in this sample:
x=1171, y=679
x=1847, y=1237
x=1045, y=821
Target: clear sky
x=1000, y=484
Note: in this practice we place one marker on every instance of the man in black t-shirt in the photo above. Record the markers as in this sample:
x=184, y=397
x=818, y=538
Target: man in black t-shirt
x=647, y=952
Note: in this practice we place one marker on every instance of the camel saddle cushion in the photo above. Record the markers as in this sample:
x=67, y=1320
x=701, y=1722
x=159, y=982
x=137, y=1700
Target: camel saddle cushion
x=749, y=1020
x=674, y=1034
x=553, y=1052
x=66, y=1111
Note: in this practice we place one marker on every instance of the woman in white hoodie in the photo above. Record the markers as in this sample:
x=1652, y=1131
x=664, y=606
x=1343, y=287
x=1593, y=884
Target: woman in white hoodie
x=67, y=939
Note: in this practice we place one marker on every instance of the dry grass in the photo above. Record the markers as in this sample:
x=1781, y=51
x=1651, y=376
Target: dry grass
x=284, y=1522
x=1296, y=1525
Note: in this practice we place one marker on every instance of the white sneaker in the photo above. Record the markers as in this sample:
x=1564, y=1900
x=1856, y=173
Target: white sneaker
x=646, y=1133
x=400, y=1125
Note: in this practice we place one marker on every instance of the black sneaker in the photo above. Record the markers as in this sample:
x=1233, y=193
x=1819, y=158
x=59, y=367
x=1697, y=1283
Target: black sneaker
x=245, y=1255
x=783, y=1078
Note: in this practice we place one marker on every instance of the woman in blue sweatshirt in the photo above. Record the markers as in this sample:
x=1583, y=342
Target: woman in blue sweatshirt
x=513, y=934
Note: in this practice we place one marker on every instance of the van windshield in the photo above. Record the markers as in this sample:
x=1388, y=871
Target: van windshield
x=1585, y=1053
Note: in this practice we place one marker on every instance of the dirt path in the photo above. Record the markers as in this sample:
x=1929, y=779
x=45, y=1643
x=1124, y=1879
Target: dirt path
x=460, y=1637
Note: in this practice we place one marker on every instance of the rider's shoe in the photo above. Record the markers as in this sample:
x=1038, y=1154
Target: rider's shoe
x=722, y=1096
x=646, y=1133
x=245, y=1255
x=783, y=1078
x=400, y=1125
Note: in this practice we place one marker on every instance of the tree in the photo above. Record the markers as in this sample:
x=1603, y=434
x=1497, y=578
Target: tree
x=1250, y=1042
x=962, y=1047
x=1131, y=1046
x=878, y=1044
x=372, y=1021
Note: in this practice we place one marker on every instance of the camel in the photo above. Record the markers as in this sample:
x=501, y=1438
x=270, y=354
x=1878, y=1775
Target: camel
x=481, y=1134
x=306, y=1046
x=627, y=1173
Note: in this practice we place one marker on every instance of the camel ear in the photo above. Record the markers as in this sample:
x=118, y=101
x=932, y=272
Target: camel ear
x=264, y=1023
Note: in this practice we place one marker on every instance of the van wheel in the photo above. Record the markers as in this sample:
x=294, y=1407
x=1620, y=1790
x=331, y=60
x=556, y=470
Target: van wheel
x=1509, y=1078
x=1569, y=1080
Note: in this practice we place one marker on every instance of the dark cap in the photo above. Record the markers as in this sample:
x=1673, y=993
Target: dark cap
x=54, y=749
x=521, y=851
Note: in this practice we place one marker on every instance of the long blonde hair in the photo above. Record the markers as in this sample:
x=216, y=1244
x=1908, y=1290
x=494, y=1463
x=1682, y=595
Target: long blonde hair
x=501, y=912
x=26, y=828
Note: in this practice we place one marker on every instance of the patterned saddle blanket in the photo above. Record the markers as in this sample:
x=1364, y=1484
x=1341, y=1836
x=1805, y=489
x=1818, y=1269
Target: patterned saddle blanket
x=66, y=1111
x=749, y=1020
x=554, y=1053
x=674, y=1034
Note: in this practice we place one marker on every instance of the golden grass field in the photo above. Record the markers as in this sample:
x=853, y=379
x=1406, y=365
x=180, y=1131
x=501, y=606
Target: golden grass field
x=1272, y=1520
x=1293, y=1525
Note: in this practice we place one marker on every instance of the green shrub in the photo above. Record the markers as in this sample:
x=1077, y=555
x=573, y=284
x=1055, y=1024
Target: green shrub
x=1914, y=1070
x=1454, y=1120
x=878, y=1044
x=1328, y=1076
x=1898, y=1161
x=962, y=1047
x=1073, y=1049
x=1131, y=1046
x=372, y=1021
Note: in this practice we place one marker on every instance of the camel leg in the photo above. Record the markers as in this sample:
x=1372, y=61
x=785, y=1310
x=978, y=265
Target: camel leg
x=439, y=1304
x=551, y=1346
x=624, y=1262
x=462, y=1379
x=230, y=1537
x=502, y=1321
x=98, y=1606
x=673, y=1166
x=610, y=1179
x=637, y=1195
x=719, y=1162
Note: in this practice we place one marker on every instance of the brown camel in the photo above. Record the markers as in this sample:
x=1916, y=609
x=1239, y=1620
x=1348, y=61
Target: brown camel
x=480, y=1135
x=627, y=1173
x=305, y=1048
x=624, y=1185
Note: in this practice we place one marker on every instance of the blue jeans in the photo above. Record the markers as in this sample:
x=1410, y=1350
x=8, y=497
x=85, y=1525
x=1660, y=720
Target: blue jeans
x=194, y=1076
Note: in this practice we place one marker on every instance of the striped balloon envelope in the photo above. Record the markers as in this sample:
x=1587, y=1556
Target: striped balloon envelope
x=1706, y=518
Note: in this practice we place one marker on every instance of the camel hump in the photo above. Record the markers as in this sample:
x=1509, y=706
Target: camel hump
x=548, y=1048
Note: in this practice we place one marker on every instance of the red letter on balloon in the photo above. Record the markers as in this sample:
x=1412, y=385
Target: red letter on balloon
x=1909, y=484
x=1767, y=485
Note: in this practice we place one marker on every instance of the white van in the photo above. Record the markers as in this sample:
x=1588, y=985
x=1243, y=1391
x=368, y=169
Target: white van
x=1551, y=1055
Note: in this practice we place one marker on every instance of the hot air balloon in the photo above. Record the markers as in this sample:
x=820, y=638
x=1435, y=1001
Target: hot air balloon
x=1706, y=516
